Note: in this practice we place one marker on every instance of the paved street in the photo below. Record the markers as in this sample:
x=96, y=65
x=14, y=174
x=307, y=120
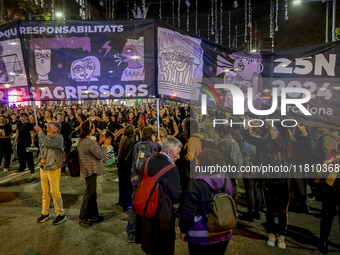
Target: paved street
x=20, y=206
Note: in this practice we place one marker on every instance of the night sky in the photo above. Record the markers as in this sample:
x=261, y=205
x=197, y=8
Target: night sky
x=306, y=18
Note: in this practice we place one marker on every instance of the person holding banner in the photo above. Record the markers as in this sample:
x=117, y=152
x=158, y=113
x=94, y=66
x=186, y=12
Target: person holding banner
x=24, y=139
x=51, y=149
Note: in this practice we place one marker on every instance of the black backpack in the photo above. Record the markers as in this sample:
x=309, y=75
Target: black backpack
x=73, y=162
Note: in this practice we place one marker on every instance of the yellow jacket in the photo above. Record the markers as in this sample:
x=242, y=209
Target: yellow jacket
x=193, y=147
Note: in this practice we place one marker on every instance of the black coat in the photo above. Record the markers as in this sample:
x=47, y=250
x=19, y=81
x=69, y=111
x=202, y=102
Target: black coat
x=158, y=233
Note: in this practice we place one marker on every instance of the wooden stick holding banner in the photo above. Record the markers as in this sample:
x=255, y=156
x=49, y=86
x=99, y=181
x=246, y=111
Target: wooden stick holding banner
x=28, y=78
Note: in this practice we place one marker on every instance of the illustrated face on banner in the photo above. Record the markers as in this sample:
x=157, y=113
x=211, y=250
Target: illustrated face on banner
x=133, y=55
x=43, y=65
x=245, y=72
x=86, y=69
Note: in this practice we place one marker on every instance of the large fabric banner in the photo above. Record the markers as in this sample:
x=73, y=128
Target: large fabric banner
x=85, y=59
x=316, y=69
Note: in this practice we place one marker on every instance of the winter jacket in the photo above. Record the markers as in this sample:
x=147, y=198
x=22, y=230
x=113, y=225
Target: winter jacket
x=51, y=148
x=193, y=147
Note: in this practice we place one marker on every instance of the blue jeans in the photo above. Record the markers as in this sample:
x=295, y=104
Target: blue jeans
x=131, y=226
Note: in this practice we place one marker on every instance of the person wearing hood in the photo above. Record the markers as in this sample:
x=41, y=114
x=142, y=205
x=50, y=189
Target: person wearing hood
x=197, y=201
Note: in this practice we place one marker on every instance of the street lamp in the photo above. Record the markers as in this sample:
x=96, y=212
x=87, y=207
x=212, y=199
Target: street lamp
x=59, y=14
x=334, y=15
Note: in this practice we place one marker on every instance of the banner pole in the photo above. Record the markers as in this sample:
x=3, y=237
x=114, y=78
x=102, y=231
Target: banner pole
x=24, y=56
x=158, y=116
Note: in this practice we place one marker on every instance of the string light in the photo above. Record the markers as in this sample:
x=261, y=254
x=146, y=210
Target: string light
x=188, y=5
x=173, y=13
x=245, y=20
x=236, y=37
x=208, y=26
x=271, y=20
x=113, y=9
x=127, y=7
x=196, y=16
x=277, y=16
x=229, y=24
x=216, y=23
x=255, y=36
x=160, y=9
x=221, y=22
x=286, y=10
x=250, y=28
x=179, y=13
x=273, y=41
x=212, y=17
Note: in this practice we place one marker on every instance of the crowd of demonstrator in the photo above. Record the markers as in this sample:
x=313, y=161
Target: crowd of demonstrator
x=186, y=139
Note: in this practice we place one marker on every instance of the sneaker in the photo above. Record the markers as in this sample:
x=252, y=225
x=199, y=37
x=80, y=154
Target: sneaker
x=131, y=239
x=43, y=218
x=84, y=222
x=281, y=242
x=5, y=170
x=59, y=219
x=271, y=240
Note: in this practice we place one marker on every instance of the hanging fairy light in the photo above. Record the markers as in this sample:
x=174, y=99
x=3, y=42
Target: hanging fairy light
x=128, y=13
x=271, y=29
x=286, y=10
x=221, y=22
x=236, y=37
x=113, y=9
x=250, y=14
x=173, y=13
x=212, y=17
x=208, y=26
x=196, y=16
x=277, y=16
x=235, y=4
x=188, y=5
x=245, y=20
x=229, y=25
x=134, y=6
x=216, y=23
x=273, y=41
x=179, y=13
x=250, y=28
x=255, y=36
x=160, y=9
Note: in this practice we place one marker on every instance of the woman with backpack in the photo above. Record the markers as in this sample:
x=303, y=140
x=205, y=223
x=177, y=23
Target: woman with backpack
x=278, y=149
x=91, y=156
x=197, y=203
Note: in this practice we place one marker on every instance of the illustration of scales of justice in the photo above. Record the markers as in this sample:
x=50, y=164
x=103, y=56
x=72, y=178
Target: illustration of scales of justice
x=8, y=62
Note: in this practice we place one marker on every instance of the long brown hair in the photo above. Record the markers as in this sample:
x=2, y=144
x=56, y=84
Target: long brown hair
x=285, y=139
x=85, y=129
